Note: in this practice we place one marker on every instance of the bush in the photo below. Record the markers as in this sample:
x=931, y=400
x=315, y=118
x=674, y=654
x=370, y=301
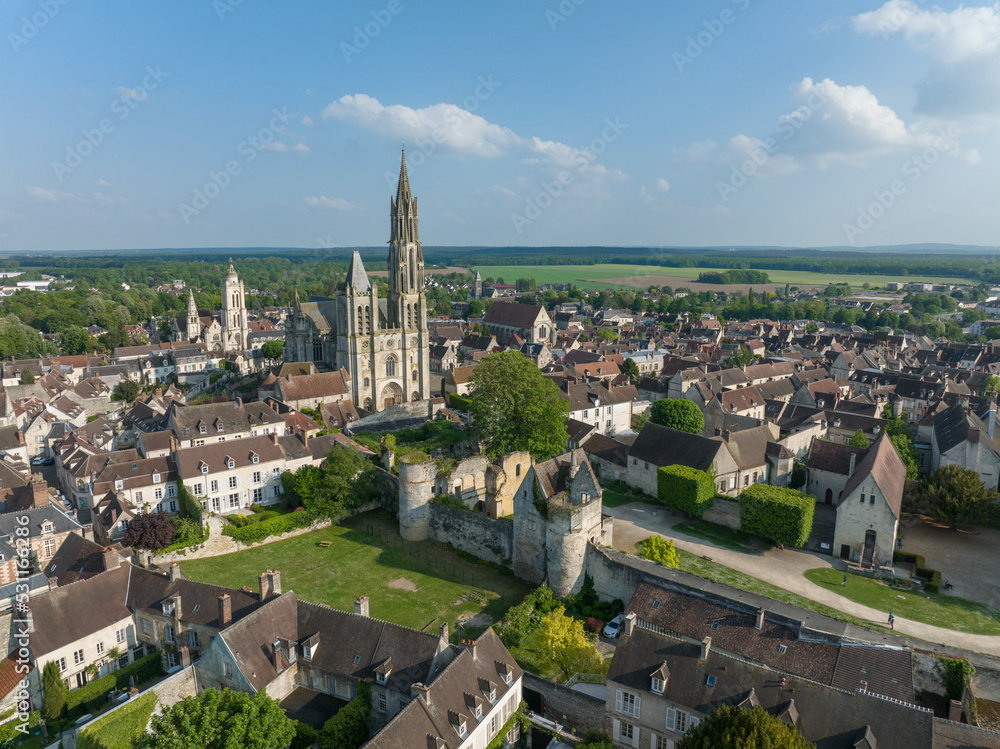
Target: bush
x=686, y=489
x=145, y=669
x=933, y=584
x=459, y=402
x=955, y=674
x=594, y=624
x=905, y=556
x=349, y=728
x=276, y=526
x=305, y=736
x=660, y=550
x=92, y=696
x=784, y=516
x=189, y=505
x=119, y=729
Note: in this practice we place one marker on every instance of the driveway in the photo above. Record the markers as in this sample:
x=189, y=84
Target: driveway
x=967, y=557
x=784, y=568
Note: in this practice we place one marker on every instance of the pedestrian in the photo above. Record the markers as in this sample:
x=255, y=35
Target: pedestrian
x=892, y=621
x=845, y=581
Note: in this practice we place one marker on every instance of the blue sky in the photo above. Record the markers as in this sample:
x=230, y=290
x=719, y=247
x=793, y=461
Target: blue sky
x=203, y=124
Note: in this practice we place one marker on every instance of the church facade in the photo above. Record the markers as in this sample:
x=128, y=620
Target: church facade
x=382, y=344
x=226, y=332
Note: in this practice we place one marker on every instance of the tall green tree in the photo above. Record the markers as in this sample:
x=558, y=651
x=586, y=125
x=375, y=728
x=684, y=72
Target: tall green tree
x=514, y=408
x=221, y=720
x=630, y=368
x=54, y=690
x=741, y=357
x=859, y=439
x=678, y=413
x=273, y=350
x=956, y=495
x=734, y=728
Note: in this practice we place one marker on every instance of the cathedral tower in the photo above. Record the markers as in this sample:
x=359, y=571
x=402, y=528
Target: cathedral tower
x=234, y=312
x=193, y=321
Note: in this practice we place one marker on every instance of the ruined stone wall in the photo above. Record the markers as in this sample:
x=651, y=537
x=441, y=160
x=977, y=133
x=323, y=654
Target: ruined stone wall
x=563, y=705
x=529, y=534
x=473, y=532
x=416, y=486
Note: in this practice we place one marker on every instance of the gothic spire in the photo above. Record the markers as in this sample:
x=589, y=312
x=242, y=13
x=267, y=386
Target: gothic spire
x=357, y=277
x=403, y=194
x=403, y=210
x=192, y=307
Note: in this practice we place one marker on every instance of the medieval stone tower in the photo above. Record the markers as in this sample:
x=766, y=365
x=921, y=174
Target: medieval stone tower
x=193, y=321
x=234, y=312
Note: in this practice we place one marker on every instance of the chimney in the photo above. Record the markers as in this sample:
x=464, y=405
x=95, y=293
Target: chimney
x=419, y=689
x=850, y=469
x=274, y=437
x=629, y=624
x=726, y=435
x=176, y=598
x=265, y=586
x=706, y=647
x=185, y=656
x=718, y=432
x=275, y=581
x=361, y=606
x=225, y=610
x=760, y=619
x=955, y=711
x=443, y=631
x=175, y=572
x=239, y=402
x=20, y=437
x=53, y=583
x=110, y=558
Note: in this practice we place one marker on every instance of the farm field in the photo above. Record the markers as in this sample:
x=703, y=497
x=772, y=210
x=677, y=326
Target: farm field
x=417, y=585
x=611, y=275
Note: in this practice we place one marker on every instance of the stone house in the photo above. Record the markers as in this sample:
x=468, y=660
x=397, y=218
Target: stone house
x=311, y=391
x=149, y=484
x=47, y=529
x=608, y=409
x=829, y=465
x=529, y=321
x=658, y=446
x=457, y=380
x=960, y=437
x=214, y=423
x=227, y=477
x=869, y=506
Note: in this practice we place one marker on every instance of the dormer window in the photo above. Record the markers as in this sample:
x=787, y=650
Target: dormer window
x=203, y=429
x=458, y=723
x=168, y=608
x=380, y=677
x=230, y=463
x=46, y=527
x=220, y=427
x=254, y=458
x=119, y=485
x=204, y=468
x=156, y=478
x=656, y=685
x=307, y=652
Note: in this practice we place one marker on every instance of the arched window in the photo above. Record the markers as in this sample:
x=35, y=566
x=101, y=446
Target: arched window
x=317, y=350
x=367, y=383
x=390, y=366
x=517, y=470
x=409, y=315
x=361, y=319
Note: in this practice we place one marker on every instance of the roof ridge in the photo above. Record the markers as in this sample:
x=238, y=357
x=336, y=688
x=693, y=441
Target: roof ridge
x=373, y=618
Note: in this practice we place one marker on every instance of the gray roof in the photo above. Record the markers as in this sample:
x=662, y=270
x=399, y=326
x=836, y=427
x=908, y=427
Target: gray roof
x=663, y=446
x=357, y=277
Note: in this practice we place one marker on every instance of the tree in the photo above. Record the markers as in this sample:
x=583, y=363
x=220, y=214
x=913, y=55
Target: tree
x=273, y=350
x=741, y=357
x=798, y=477
x=221, y=720
x=956, y=495
x=514, y=408
x=150, y=530
x=630, y=368
x=639, y=421
x=564, y=640
x=596, y=740
x=27, y=376
x=859, y=439
x=991, y=386
x=660, y=550
x=77, y=341
x=907, y=453
x=126, y=390
x=678, y=413
x=54, y=691
x=349, y=728
x=344, y=482
x=734, y=728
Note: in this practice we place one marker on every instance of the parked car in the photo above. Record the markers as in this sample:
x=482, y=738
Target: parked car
x=614, y=627
x=37, y=461
x=49, y=462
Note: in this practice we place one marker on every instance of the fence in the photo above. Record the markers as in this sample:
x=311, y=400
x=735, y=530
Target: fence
x=434, y=557
x=575, y=679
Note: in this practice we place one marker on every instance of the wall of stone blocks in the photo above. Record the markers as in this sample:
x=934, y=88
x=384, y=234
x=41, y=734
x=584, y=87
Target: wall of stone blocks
x=573, y=709
x=473, y=532
x=724, y=512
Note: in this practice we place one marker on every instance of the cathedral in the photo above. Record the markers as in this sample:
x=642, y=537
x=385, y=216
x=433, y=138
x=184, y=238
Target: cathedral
x=228, y=331
x=382, y=344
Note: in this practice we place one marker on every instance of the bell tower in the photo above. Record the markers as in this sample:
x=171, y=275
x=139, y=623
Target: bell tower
x=234, y=312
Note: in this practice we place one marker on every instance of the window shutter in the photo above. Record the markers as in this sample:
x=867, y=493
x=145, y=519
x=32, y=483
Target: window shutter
x=671, y=719
x=635, y=736
x=617, y=728
x=652, y=740
x=618, y=701
x=638, y=703
x=694, y=722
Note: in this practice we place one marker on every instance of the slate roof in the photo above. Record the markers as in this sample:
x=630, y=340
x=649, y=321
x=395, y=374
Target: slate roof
x=749, y=446
x=427, y=719
x=252, y=639
x=323, y=385
x=606, y=448
x=235, y=417
x=77, y=559
x=834, y=457
x=513, y=314
x=199, y=601
x=190, y=459
x=663, y=446
x=956, y=425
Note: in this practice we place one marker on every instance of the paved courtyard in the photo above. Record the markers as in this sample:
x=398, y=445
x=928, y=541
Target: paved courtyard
x=785, y=567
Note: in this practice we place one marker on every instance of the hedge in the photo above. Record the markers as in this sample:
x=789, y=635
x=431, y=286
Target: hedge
x=255, y=532
x=350, y=727
x=784, y=516
x=93, y=695
x=460, y=402
x=120, y=729
x=686, y=489
x=10, y=732
x=189, y=504
x=933, y=584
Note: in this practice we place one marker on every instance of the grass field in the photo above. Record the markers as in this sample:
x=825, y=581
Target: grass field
x=355, y=564
x=585, y=276
x=720, y=535
x=936, y=609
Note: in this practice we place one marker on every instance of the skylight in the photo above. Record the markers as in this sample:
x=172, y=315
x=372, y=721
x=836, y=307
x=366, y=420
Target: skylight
x=710, y=680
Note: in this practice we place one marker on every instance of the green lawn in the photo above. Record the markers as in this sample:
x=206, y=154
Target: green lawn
x=120, y=729
x=720, y=535
x=356, y=564
x=618, y=494
x=937, y=609
x=585, y=276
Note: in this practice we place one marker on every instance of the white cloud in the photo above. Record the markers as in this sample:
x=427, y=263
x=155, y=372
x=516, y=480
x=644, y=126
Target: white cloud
x=51, y=196
x=501, y=191
x=301, y=148
x=102, y=199
x=321, y=201
x=962, y=34
x=308, y=121
x=102, y=183
x=280, y=147
x=136, y=94
x=735, y=151
x=662, y=185
x=446, y=127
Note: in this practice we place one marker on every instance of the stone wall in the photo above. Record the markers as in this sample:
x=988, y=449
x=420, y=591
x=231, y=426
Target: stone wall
x=725, y=512
x=926, y=673
x=218, y=544
x=563, y=705
x=473, y=532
